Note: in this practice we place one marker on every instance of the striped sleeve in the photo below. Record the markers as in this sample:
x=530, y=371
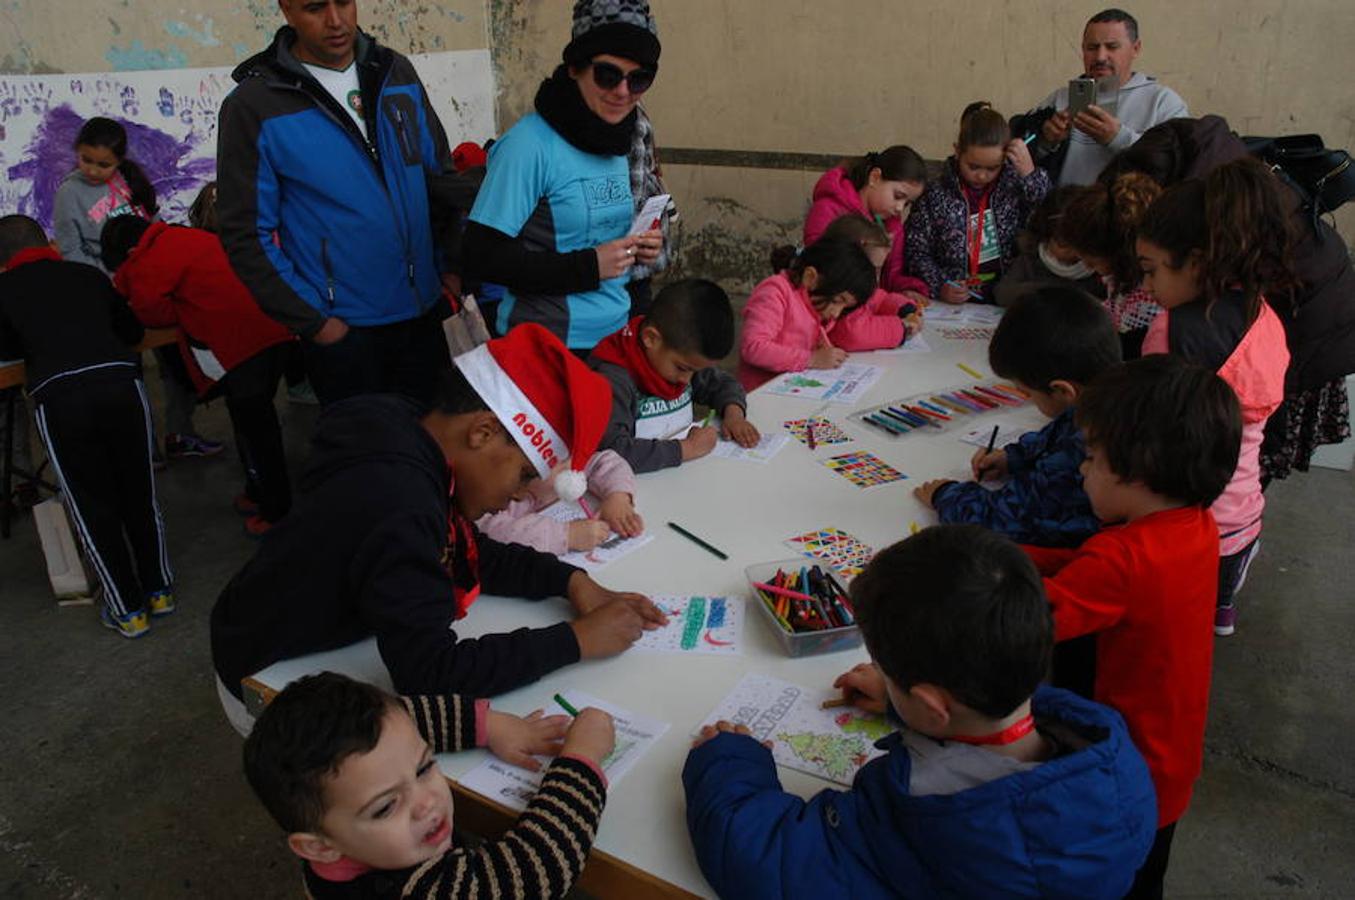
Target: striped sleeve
x=539, y=857
x=446, y=721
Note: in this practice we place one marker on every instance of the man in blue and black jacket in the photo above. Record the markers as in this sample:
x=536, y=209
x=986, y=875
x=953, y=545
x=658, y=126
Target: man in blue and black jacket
x=323, y=156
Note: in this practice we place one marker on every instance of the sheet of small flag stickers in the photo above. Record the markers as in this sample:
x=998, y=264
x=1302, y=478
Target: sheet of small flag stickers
x=938, y=411
x=865, y=470
x=825, y=432
x=697, y=625
x=966, y=322
x=836, y=547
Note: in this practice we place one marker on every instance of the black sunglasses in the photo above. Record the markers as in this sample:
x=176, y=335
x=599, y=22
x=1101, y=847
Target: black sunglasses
x=607, y=76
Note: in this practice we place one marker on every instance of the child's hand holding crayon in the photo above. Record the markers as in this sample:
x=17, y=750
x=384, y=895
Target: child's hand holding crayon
x=726, y=727
x=698, y=442
x=585, y=534
x=516, y=740
x=591, y=735
x=863, y=686
x=736, y=427
x=953, y=292
x=618, y=511
x=989, y=464
x=826, y=356
x=925, y=492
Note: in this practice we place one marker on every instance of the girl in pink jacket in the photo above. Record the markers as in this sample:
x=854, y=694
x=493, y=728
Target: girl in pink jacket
x=789, y=318
x=1210, y=250
x=887, y=319
x=609, y=477
x=880, y=186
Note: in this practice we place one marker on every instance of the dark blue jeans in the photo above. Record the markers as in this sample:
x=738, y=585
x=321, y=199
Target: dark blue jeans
x=400, y=358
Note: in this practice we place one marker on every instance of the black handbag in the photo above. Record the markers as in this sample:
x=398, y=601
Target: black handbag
x=1324, y=178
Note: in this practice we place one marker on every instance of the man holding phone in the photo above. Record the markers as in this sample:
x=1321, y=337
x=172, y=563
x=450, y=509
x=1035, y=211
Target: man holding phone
x=1109, y=107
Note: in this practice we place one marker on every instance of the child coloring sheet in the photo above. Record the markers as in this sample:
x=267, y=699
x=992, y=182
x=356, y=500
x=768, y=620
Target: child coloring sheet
x=915, y=344
x=514, y=787
x=608, y=551
x=831, y=743
x=825, y=431
x=1006, y=433
x=697, y=625
x=847, y=383
x=768, y=446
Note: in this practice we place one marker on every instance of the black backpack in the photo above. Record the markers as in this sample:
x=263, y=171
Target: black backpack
x=1322, y=177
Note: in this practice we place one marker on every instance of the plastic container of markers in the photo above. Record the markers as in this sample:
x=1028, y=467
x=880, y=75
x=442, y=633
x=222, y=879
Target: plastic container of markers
x=799, y=643
x=941, y=410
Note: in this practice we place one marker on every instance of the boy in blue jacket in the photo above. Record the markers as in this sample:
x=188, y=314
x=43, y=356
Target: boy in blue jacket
x=993, y=785
x=1052, y=342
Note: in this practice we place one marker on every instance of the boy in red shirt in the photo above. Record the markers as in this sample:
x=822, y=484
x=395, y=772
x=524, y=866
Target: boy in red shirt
x=1162, y=441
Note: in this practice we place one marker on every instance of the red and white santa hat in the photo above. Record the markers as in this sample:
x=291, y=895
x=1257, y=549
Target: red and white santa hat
x=553, y=405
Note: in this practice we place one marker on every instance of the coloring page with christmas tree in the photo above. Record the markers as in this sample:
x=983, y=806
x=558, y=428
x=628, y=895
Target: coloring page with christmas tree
x=515, y=787
x=845, y=384
x=831, y=743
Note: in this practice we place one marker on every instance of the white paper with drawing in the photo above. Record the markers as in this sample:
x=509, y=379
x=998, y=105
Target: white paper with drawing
x=830, y=743
x=769, y=444
x=650, y=216
x=711, y=625
x=846, y=384
x=514, y=787
x=610, y=550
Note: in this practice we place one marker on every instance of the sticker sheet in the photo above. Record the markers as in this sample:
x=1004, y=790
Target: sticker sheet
x=831, y=743
x=697, y=625
x=825, y=431
x=835, y=547
x=865, y=470
x=514, y=787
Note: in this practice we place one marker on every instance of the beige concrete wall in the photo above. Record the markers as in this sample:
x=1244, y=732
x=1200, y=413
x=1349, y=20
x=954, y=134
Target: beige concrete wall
x=47, y=36
x=817, y=76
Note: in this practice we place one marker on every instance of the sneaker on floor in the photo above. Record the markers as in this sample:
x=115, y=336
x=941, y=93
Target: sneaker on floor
x=302, y=392
x=181, y=446
x=133, y=625
x=257, y=526
x=162, y=603
x=245, y=506
x=1225, y=620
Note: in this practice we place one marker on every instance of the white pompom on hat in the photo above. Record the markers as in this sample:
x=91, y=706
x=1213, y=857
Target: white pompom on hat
x=554, y=406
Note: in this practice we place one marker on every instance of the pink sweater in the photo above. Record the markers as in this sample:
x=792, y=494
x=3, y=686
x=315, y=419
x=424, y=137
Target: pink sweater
x=874, y=326
x=522, y=523
x=1255, y=372
x=836, y=196
x=781, y=330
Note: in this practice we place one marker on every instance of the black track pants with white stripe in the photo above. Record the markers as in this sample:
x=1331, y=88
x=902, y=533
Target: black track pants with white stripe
x=98, y=437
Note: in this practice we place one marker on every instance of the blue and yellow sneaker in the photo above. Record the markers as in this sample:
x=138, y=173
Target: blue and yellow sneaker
x=162, y=602
x=133, y=625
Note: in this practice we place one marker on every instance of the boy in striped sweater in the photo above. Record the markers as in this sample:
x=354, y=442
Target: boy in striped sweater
x=348, y=771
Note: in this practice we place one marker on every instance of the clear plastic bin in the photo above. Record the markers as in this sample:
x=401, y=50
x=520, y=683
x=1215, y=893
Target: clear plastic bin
x=800, y=643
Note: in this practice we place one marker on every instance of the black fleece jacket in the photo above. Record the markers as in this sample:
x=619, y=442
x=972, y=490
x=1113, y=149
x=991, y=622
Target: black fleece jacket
x=361, y=554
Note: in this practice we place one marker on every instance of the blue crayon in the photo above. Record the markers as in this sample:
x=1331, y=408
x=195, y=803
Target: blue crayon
x=886, y=425
x=909, y=417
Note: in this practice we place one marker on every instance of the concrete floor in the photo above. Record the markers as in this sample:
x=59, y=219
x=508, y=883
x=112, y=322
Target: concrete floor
x=120, y=777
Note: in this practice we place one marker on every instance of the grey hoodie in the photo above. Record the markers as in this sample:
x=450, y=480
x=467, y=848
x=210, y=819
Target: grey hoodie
x=79, y=213
x=1143, y=103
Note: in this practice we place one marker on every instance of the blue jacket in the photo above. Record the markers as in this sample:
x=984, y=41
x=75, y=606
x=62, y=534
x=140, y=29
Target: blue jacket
x=1077, y=826
x=1042, y=503
x=350, y=214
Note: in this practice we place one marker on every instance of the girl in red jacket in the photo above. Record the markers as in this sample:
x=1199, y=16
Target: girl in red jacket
x=789, y=318
x=881, y=186
x=175, y=276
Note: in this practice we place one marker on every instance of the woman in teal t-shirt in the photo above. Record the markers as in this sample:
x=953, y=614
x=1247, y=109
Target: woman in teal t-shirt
x=551, y=222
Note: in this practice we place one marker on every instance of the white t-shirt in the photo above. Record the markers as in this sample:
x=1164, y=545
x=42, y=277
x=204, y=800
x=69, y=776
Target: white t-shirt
x=343, y=87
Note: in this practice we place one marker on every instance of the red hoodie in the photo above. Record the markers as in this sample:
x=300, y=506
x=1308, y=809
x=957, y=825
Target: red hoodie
x=181, y=276
x=835, y=196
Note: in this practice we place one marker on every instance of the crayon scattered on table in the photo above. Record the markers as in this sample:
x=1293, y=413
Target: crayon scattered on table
x=968, y=371
x=696, y=540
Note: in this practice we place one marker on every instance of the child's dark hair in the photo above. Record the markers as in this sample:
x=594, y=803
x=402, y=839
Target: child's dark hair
x=982, y=126
x=960, y=607
x=897, y=163
x=1112, y=15
x=1101, y=220
x=119, y=236
x=202, y=214
x=303, y=737
x=453, y=394
x=694, y=316
x=19, y=233
x=1172, y=425
x=106, y=133
x=1164, y=152
x=1054, y=333
x=859, y=230
x=842, y=266
x=1044, y=219
x=1235, y=220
